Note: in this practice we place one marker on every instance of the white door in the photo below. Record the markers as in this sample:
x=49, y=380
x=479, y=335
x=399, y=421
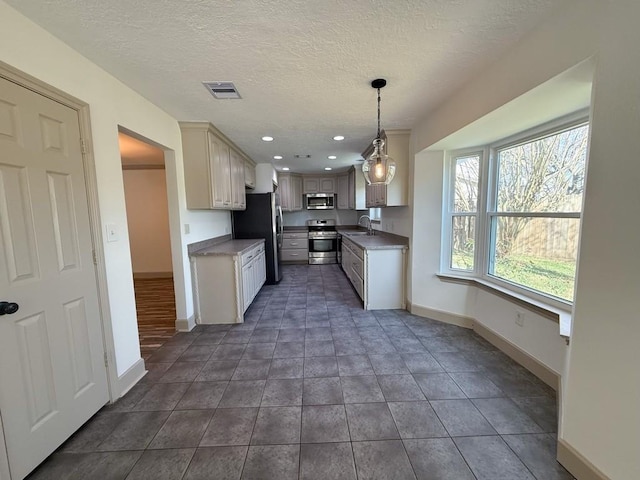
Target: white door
x=52, y=372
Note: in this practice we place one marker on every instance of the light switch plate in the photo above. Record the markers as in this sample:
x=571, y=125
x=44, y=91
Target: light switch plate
x=112, y=232
x=187, y=229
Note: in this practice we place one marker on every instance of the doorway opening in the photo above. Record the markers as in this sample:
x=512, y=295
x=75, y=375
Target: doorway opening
x=145, y=188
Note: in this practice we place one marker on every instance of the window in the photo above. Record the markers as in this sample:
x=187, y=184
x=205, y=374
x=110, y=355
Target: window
x=520, y=226
x=463, y=211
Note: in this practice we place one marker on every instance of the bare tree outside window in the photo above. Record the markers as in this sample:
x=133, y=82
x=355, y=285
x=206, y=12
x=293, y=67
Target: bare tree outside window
x=539, y=200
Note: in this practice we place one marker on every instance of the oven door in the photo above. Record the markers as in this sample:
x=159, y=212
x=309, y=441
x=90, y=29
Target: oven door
x=323, y=250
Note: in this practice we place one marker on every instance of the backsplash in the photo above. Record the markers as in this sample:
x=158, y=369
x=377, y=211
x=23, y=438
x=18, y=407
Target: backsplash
x=342, y=217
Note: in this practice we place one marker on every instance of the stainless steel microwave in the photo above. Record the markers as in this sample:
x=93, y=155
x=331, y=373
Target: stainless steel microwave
x=319, y=201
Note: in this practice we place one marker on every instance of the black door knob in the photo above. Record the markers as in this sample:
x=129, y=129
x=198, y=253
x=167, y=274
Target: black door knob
x=7, y=308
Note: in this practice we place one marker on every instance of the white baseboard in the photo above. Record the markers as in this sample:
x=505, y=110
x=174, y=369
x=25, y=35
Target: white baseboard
x=441, y=316
x=186, y=325
x=145, y=275
x=578, y=466
x=529, y=362
x=128, y=379
x=525, y=359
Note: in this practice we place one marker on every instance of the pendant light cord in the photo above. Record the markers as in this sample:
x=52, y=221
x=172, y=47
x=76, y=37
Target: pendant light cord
x=378, y=113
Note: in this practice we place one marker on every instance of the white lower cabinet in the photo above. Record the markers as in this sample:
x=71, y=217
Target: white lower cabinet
x=295, y=247
x=225, y=285
x=378, y=275
x=254, y=274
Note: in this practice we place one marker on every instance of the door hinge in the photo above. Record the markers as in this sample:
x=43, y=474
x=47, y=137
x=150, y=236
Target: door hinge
x=106, y=360
x=95, y=257
x=83, y=146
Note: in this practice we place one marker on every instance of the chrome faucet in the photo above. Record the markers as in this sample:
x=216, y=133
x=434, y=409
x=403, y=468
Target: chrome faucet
x=369, y=229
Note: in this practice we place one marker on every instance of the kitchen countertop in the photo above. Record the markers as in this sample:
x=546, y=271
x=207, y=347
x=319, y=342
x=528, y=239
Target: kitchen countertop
x=379, y=241
x=295, y=228
x=231, y=247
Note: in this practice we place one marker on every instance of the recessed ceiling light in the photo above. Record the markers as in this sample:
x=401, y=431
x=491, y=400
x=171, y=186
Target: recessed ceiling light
x=338, y=138
x=286, y=169
x=267, y=139
x=328, y=168
x=277, y=157
x=332, y=157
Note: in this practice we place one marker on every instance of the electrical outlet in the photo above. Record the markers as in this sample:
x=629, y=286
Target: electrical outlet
x=226, y=229
x=187, y=229
x=520, y=319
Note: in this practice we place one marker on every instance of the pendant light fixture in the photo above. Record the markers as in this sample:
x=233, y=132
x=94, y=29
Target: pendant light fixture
x=379, y=168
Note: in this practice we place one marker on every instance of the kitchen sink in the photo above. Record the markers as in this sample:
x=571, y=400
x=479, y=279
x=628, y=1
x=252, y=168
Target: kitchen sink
x=353, y=234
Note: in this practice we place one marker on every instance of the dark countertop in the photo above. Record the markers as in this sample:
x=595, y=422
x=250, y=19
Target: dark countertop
x=230, y=248
x=379, y=241
x=295, y=228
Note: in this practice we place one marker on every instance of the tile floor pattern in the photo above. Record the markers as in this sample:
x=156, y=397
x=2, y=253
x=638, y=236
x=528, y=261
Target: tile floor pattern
x=313, y=387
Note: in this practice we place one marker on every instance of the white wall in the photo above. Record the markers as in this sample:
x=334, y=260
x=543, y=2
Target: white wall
x=530, y=63
x=601, y=417
x=29, y=48
x=148, y=220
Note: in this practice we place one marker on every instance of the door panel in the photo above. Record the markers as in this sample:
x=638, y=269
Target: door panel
x=17, y=226
x=52, y=373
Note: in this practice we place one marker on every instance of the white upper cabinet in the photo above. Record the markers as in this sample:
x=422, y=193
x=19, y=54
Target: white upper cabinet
x=342, y=201
x=249, y=174
x=310, y=185
x=290, y=189
x=313, y=184
x=296, y=192
x=238, y=198
x=214, y=169
x=220, y=172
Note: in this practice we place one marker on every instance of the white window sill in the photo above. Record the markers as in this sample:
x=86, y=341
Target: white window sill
x=560, y=315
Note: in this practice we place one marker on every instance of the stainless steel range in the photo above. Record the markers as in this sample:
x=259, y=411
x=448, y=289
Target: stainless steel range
x=323, y=241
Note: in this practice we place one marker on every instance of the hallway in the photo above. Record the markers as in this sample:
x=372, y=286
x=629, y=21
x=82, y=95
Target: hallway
x=313, y=387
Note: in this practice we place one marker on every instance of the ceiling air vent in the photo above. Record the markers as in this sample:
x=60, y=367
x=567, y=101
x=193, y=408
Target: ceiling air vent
x=222, y=90
x=302, y=156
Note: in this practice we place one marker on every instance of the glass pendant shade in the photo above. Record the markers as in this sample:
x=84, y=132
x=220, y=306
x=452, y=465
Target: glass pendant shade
x=379, y=168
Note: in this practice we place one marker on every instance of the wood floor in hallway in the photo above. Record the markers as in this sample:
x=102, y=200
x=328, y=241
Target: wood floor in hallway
x=156, y=308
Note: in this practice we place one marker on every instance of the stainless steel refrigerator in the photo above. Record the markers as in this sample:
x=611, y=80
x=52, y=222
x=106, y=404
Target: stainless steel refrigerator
x=262, y=219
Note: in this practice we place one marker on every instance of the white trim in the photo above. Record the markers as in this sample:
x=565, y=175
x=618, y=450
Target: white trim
x=186, y=325
x=577, y=464
x=91, y=185
x=128, y=379
x=528, y=361
x=564, y=123
x=486, y=211
x=442, y=316
x=5, y=473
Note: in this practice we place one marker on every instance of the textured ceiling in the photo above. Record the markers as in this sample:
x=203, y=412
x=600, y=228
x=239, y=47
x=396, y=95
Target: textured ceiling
x=303, y=68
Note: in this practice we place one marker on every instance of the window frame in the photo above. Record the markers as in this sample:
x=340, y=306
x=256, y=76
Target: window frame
x=449, y=213
x=487, y=207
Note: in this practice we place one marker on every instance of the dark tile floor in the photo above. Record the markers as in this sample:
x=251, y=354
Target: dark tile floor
x=313, y=387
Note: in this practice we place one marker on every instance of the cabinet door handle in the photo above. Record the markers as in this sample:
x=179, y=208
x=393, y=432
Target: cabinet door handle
x=294, y=243
x=294, y=254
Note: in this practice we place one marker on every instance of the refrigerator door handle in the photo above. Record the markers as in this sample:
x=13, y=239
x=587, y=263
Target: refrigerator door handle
x=281, y=232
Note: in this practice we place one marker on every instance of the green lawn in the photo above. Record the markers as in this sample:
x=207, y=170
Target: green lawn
x=551, y=276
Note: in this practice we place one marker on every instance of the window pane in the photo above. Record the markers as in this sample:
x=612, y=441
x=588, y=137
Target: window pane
x=467, y=173
x=463, y=242
x=546, y=175
x=537, y=253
